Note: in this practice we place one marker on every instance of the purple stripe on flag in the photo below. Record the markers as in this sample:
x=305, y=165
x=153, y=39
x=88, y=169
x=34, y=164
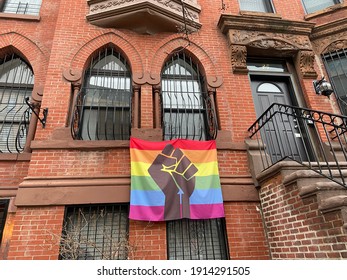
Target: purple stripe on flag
x=206, y=211
x=146, y=213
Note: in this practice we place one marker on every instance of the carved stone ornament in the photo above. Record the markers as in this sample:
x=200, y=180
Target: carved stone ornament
x=307, y=64
x=143, y=78
x=267, y=40
x=72, y=75
x=330, y=37
x=238, y=58
x=145, y=16
x=337, y=45
x=214, y=81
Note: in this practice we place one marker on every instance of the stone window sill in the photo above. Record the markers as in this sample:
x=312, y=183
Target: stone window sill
x=15, y=157
x=19, y=17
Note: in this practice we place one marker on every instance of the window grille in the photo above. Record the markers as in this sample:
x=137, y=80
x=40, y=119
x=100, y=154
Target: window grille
x=26, y=7
x=336, y=65
x=103, y=106
x=16, y=84
x=264, y=6
x=312, y=6
x=197, y=240
x=95, y=232
x=187, y=109
x=3, y=213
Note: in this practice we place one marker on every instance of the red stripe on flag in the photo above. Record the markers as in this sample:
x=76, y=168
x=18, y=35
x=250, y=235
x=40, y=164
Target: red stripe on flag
x=177, y=143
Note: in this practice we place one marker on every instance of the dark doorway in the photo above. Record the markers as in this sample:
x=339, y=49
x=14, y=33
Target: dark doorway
x=282, y=132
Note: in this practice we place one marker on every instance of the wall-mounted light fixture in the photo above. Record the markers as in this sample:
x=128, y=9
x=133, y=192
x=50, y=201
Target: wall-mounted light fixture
x=44, y=112
x=322, y=87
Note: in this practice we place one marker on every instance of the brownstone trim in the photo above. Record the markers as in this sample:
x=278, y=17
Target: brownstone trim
x=35, y=191
x=19, y=17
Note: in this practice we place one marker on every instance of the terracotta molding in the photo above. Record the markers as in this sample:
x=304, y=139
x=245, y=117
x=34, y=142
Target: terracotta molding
x=329, y=37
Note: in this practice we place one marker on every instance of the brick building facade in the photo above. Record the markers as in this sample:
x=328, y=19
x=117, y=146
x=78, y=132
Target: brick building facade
x=65, y=163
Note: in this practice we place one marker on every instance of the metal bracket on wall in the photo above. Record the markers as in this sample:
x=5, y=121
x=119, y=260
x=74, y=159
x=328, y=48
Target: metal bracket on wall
x=44, y=112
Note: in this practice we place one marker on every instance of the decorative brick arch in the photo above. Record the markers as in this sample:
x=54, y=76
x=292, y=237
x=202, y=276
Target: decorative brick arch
x=174, y=43
x=78, y=59
x=34, y=54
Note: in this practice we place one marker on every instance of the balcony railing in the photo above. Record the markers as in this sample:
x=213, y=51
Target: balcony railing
x=24, y=8
x=315, y=139
x=14, y=125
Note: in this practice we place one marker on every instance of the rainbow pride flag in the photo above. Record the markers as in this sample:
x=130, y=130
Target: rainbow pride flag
x=174, y=179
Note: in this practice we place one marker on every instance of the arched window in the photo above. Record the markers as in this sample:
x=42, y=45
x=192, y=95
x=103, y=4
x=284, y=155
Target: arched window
x=16, y=84
x=187, y=111
x=103, y=106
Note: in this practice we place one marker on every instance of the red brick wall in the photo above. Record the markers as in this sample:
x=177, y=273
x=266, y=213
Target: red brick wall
x=147, y=240
x=296, y=228
x=245, y=231
x=12, y=172
x=36, y=233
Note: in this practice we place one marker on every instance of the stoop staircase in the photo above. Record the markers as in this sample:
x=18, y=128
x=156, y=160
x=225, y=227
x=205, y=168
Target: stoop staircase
x=298, y=159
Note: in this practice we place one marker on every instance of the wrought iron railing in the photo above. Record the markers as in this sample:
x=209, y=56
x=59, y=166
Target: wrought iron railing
x=315, y=139
x=14, y=126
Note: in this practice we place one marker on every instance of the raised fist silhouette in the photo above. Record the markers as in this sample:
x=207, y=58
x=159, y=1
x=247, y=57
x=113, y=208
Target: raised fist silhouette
x=174, y=174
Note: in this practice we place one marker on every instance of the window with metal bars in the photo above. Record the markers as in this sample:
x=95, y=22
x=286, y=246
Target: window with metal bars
x=187, y=109
x=264, y=6
x=3, y=213
x=95, y=232
x=16, y=84
x=103, y=106
x=197, y=240
x=336, y=65
x=26, y=7
x=312, y=6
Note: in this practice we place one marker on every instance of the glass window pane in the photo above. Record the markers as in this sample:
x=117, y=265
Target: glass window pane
x=256, y=6
x=104, y=102
x=336, y=64
x=312, y=6
x=29, y=7
x=16, y=83
x=183, y=100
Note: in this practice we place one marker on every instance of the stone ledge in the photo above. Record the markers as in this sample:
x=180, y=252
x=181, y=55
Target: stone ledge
x=65, y=190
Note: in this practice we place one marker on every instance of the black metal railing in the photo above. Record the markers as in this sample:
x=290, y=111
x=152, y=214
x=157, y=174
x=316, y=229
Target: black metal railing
x=315, y=139
x=24, y=7
x=14, y=126
x=197, y=240
x=95, y=232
